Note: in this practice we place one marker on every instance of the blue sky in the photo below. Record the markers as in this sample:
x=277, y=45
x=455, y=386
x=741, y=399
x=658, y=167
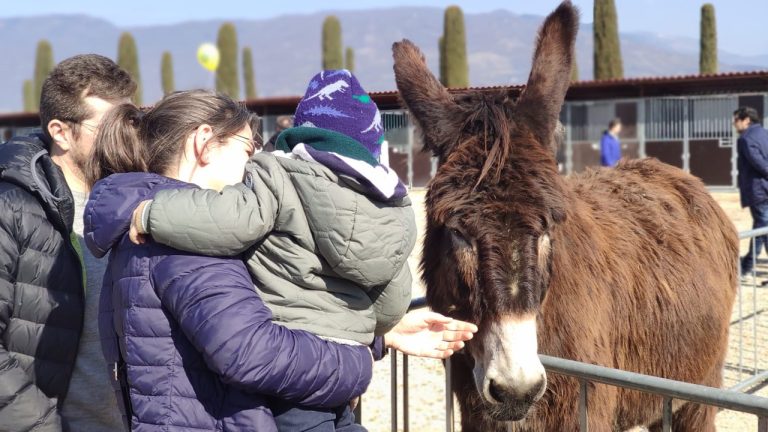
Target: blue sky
x=742, y=25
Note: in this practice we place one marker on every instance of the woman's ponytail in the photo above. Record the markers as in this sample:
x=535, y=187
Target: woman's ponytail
x=118, y=147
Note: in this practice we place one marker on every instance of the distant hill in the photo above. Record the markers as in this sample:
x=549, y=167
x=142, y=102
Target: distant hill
x=286, y=49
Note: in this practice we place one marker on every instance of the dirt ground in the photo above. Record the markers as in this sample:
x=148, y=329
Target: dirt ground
x=427, y=379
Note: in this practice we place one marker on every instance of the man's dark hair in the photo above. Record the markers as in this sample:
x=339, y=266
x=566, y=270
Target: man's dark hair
x=71, y=81
x=612, y=124
x=747, y=112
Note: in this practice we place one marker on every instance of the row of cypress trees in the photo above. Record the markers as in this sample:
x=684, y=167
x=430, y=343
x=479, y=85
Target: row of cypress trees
x=454, y=68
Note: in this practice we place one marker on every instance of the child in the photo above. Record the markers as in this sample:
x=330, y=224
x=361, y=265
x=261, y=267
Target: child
x=326, y=230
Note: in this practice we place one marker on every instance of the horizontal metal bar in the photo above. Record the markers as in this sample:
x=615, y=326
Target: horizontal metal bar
x=751, y=382
x=665, y=387
x=753, y=233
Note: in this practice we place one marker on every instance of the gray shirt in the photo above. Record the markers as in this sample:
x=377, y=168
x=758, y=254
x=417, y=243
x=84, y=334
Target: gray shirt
x=90, y=405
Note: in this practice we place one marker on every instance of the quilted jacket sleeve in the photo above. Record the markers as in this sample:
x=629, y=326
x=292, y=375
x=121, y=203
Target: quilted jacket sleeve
x=218, y=310
x=390, y=302
x=215, y=223
x=755, y=153
x=22, y=404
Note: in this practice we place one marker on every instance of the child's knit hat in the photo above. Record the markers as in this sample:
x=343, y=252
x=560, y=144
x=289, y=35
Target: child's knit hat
x=335, y=101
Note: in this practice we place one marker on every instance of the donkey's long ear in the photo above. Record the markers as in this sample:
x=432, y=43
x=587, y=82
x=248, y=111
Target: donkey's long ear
x=540, y=103
x=429, y=102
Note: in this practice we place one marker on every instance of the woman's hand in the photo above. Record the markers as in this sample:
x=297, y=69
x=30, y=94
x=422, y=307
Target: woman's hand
x=137, y=230
x=423, y=333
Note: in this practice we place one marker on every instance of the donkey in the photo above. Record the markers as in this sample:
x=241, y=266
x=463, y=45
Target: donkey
x=632, y=268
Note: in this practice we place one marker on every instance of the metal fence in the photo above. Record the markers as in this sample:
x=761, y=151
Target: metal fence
x=745, y=369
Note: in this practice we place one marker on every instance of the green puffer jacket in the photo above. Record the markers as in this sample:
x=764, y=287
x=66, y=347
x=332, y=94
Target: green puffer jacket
x=324, y=256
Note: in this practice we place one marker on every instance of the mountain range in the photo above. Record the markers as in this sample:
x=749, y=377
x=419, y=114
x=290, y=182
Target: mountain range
x=286, y=49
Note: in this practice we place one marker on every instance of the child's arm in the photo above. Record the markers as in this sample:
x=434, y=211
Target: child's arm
x=391, y=301
x=209, y=222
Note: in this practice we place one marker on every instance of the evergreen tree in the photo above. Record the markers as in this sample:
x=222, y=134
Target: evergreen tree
x=455, y=46
x=708, y=41
x=574, y=70
x=166, y=71
x=441, y=52
x=43, y=67
x=29, y=96
x=332, y=56
x=226, y=75
x=128, y=59
x=607, y=55
x=250, y=81
x=349, y=60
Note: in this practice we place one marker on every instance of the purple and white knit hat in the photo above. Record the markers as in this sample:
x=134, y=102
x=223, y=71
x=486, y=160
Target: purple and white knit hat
x=335, y=101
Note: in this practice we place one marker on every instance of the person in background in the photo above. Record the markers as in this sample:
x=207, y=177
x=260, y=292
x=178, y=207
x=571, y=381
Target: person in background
x=282, y=123
x=752, y=153
x=610, y=147
x=52, y=372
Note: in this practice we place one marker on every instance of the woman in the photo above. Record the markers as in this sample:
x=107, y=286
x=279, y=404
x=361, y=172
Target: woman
x=191, y=343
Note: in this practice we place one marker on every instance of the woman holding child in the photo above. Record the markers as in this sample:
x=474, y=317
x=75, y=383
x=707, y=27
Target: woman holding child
x=192, y=344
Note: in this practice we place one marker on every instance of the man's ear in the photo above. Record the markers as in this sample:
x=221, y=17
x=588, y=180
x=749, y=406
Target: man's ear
x=61, y=134
x=202, y=138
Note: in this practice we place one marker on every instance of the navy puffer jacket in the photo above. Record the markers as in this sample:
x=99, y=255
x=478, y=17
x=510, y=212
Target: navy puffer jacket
x=190, y=339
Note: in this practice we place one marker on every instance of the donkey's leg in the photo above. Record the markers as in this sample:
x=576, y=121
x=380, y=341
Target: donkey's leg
x=691, y=417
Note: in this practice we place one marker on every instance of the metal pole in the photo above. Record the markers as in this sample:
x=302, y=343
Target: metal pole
x=393, y=389
x=568, y=139
x=641, y=126
x=405, y=393
x=686, y=141
x=666, y=425
x=448, y=397
x=583, y=423
x=410, y=155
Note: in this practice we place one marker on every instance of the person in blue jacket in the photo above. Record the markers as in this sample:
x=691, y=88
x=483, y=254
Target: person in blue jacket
x=610, y=147
x=752, y=153
x=189, y=342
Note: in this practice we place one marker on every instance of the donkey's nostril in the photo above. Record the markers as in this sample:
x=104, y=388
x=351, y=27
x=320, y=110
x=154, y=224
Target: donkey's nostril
x=495, y=391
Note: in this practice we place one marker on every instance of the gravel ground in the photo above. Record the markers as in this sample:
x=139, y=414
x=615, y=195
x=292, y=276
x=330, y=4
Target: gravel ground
x=427, y=378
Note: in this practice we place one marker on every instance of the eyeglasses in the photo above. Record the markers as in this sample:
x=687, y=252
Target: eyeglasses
x=252, y=146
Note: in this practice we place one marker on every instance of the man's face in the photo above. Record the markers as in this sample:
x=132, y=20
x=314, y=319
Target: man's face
x=741, y=125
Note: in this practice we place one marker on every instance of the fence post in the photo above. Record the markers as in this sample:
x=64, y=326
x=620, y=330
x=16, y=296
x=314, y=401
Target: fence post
x=405, y=393
x=393, y=385
x=448, y=397
x=583, y=423
x=666, y=423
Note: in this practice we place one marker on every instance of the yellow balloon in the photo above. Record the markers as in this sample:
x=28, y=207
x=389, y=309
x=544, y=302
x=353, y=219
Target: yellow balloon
x=208, y=56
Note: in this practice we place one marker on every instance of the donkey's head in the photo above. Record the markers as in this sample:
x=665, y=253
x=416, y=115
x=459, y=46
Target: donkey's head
x=490, y=208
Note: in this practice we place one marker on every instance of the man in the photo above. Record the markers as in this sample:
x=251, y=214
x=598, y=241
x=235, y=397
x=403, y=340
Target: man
x=282, y=123
x=52, y=372
x=752, y=148
x=610, y=148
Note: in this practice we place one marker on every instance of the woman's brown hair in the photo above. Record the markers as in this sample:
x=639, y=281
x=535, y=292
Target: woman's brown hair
x=130, y=140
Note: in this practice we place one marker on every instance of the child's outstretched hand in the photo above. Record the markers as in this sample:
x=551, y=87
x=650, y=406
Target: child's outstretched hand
x=423, y=333
x=136, y=232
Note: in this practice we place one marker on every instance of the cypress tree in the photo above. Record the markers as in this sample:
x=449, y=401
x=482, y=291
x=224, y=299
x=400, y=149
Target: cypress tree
x=332, y=56
x=607, y=55
x=43, y=66
x=455, y=46
x=166, y=71
x=708, y=41
x=349, y=60
x=441, y=51
x=226, y=75
x=128, y=59
x=574, y=70
x=29, y=96
x=250, y=81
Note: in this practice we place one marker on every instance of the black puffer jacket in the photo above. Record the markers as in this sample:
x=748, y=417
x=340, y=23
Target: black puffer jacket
x=41, y=288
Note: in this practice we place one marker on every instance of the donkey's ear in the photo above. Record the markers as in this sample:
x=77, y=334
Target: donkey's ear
x=540, y=103
x=428, y=101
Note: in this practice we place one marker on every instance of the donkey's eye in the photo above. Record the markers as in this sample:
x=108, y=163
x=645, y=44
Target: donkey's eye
x=458, y=239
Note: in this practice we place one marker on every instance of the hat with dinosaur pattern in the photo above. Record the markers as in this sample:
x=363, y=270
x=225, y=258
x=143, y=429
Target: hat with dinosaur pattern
x=335, y=101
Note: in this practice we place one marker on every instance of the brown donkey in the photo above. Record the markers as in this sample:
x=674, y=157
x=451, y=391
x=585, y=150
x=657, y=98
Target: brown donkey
x=632, y=268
